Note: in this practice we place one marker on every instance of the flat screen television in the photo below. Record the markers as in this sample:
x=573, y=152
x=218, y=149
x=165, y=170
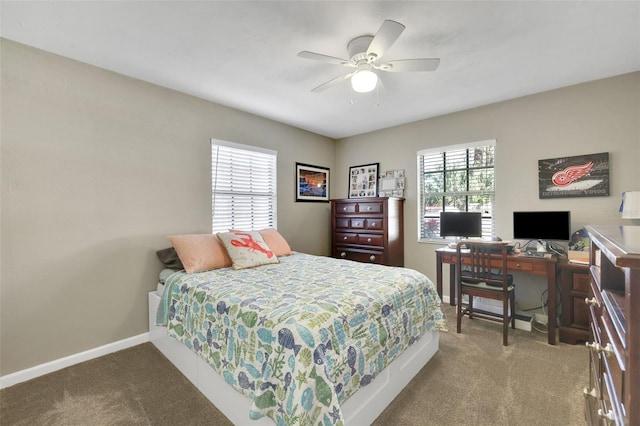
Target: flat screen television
x=542, y=225
x=460, y=224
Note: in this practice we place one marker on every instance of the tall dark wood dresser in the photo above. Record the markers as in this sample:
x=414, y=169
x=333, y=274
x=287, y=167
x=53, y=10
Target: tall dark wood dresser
x=368, y=230
x=613, y=394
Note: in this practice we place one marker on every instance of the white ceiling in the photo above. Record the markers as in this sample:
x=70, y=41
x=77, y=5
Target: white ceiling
x=244, y=54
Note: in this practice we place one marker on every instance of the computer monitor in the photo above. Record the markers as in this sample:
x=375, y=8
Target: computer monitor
x=460, y=224
x=542, y=225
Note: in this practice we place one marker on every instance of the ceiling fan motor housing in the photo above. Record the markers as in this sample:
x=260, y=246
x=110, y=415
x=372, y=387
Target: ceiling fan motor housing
x=358, y=48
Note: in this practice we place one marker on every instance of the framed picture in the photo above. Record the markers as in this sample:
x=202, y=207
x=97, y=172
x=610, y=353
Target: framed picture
x=312, y=183
x=391, y=184
x=363, y=180
x=578, y=176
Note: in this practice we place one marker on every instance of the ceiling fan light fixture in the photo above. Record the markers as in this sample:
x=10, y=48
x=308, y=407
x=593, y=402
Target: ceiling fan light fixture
x=364, y=81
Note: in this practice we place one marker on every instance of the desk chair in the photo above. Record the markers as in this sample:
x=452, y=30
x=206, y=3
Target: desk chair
x=475, y=276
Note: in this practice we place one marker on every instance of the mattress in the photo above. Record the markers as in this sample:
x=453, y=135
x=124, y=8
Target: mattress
x=302, y=336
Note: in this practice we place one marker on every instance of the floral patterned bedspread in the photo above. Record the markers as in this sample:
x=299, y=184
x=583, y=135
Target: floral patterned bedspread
x=301, y=336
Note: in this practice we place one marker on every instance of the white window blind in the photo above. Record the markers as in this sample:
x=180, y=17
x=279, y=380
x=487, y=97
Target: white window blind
x=243, y=186
x=456, y=178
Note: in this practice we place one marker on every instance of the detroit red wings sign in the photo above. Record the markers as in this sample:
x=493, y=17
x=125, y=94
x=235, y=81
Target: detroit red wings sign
x=567, y=176
x=579, y=176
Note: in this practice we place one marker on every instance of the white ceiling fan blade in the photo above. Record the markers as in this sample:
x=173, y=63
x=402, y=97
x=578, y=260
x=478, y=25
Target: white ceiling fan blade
x=410, y=65
x=324, y=58
x=387, y=34
x=332, y=82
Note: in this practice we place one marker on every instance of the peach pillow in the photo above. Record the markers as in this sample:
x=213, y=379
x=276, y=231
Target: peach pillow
x=200, y=252
x=276, y=242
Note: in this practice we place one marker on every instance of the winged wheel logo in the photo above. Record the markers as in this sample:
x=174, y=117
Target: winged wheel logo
x=571, y=174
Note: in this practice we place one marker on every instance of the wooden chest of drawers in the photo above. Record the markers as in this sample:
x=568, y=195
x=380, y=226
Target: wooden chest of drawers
x=368, y=230
x=613, y=394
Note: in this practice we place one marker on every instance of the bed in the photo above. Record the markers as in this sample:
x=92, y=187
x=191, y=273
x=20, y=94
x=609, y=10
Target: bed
x=306, y=340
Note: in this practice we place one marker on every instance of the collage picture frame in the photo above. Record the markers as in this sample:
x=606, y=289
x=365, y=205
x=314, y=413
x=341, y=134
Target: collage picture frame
x=392, y=184
x=363, y=181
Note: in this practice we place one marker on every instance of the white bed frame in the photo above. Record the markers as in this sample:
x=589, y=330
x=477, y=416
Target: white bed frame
x=362, y=408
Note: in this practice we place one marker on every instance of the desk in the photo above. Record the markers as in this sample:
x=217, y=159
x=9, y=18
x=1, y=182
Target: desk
x=515, y=263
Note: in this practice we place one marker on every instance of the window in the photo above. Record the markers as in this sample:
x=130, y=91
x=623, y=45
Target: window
x=243, y=187
x=455, y=178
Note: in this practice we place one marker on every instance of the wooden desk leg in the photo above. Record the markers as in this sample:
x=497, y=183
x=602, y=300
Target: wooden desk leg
x=439, y=274
x=452, y=284
x=551, y=319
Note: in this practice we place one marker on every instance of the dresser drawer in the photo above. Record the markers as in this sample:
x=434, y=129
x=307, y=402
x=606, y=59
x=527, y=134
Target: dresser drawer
x=611, y=408
x=594, y=324
x=370, y=240
x=613, y=359
x=346, y=238
x=607, y=406
x=367, y=256
x=359, y=223
x=372, y=207
x=343, y=223
x=345, y=208
x=360, y=207
x=374, y=224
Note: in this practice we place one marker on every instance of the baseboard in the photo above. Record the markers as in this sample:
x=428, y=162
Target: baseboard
x=58, y=364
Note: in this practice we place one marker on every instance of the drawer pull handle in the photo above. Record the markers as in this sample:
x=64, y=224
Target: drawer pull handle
x=592, y=301
x=373, y=224
x=343, y=254
x=595, y=345
x=369, y=208
x=368, y=240
x=372, y=258
x=344, y=208
x=345, y=237
x=608, y=415
x=607, y=350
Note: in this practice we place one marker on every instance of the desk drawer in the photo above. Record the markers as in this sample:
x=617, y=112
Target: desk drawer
x=449, y=258
x=581, y=282
x=515, y=265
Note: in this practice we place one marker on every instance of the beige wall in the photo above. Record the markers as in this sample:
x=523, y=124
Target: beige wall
x=97, y=169
x=600, y=116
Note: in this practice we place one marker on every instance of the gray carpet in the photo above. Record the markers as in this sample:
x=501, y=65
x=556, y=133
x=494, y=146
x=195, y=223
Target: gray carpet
x=472, y=380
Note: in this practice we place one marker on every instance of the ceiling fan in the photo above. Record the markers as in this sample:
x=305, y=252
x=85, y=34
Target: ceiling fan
x=364, y=53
